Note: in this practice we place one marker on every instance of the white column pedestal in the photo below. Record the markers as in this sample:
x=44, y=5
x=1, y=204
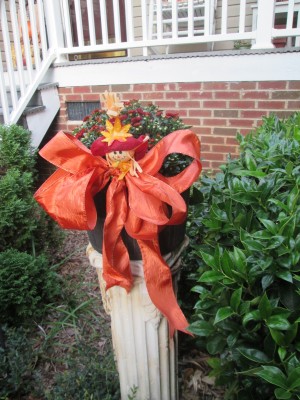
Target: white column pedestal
x=146, y=356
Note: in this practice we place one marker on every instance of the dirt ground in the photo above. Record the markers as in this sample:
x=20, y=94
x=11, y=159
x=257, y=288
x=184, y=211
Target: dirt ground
x=193, y=376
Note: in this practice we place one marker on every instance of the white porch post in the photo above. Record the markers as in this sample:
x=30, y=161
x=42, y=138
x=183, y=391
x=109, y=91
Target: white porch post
x=265, y=20
x=145, y=354
x=54, y=22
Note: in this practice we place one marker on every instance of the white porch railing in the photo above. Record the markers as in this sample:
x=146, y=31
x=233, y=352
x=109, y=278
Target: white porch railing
x=25, y=54
x=46, y=31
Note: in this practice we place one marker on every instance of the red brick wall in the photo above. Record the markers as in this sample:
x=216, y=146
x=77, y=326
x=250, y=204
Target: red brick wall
x=216, y=110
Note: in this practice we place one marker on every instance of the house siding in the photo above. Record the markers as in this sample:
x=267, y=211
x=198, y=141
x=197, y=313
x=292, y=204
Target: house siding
x=216, y=110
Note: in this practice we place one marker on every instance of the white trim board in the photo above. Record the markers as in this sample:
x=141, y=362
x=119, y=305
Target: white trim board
x=217, y=68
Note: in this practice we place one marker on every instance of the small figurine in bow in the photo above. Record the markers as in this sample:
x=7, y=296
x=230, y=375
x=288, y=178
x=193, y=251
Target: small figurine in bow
x=122, y=153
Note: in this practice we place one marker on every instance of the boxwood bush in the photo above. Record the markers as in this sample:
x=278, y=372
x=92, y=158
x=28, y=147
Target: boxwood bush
x=245, y=237
x=27, y=283
x=23, y=224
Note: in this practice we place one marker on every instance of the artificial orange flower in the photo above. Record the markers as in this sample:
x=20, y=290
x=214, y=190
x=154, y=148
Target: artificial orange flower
x=112, y=104
x=116, y=132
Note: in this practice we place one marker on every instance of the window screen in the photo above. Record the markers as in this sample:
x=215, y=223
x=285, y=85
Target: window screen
x=78, y=110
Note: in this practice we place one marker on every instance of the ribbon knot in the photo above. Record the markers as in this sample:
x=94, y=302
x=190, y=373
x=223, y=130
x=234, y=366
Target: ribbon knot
x=140, y=204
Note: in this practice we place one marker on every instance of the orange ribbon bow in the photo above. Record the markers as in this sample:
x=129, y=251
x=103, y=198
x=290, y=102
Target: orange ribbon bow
x=138, y=204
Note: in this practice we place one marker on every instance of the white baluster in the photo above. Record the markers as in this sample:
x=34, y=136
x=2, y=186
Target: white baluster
x=265, y=21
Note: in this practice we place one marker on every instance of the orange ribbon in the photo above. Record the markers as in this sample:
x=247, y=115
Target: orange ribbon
x=138, y=204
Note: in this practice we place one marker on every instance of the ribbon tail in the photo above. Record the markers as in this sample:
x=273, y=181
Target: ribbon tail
x=158, y=279
x=116, y=264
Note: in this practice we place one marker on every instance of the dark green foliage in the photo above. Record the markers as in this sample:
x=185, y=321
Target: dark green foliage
x=23, y=224
x=89, y=377
x=17, y=359
x=245, y=234
x=15, y=149
x=18, y=211
x=27, y=284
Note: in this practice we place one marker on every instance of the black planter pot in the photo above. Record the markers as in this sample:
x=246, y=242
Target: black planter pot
x=169, y=238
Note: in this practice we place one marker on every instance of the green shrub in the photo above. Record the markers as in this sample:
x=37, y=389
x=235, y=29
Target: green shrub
x=27, y=284
x=89, y=377
x=18, y=210
x=245, y=235
x=15, y=149
x=23, y=224
x=17, y=359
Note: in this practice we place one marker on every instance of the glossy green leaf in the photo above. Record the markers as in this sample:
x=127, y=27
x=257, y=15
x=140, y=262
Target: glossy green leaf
x=265, y=307
x=223, y=313
x=244, y=307
x=218, y=213
x=282, y=353
x=226, y=264
x=279, y=204
x=261, y=235
x=275, y=242
x=215, y=344
x=240, y=260
x=285, y=275
x=250, y=161
x=293, y=198
x=199, y=289
x=251, y=316
x=282, y=394
x=266, y=281
x=232, y=339
x=270, y=225
x=289, y=168
x=235, y=299
x=214, y=363
x=253, y=245
x=209, y=260
x=287, y=226
x=256, y=174
x=201, y=328
x=297, y=133
x=292, y=364
x=212, y=223
x=210, y=277
x=278, y=322
x=293, y=380
x=273, y=375
x=247, y=198
x=278, y=337
x=255, y=355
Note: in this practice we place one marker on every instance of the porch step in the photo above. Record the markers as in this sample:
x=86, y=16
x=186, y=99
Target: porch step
x=28, y=110
x=40, y=111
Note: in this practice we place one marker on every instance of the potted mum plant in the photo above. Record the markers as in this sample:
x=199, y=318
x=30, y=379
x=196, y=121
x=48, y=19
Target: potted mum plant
x=120, y=177
x=140, y=121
